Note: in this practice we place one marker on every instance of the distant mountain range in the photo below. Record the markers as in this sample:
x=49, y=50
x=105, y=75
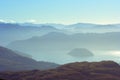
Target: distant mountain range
x=10, y=32
x=60, y=43
x=12, y=61
x=105, y=70
x=24, y=42
x=56, y=40
x=18, y=31
x=57, y=44
x=83, y=27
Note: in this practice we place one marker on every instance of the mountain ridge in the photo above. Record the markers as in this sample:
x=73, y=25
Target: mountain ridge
x=73, y=71
x=11, y=61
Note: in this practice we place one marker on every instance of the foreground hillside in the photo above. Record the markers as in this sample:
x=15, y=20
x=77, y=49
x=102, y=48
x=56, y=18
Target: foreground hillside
x=74, y=71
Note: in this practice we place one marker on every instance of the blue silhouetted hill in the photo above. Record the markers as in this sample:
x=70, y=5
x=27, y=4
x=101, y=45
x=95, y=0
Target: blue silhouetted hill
x=12, y=61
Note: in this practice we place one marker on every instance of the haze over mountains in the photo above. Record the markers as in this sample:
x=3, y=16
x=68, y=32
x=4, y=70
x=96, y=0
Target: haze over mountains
x=10, y=31
x=35, y=47
x=56, y=43
x=60, y=40
x=56, y=40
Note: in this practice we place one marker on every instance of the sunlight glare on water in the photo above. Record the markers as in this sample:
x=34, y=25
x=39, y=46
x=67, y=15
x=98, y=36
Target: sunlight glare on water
x=115, y=53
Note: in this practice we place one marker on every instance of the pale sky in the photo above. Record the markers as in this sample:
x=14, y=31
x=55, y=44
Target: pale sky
x=60, y=11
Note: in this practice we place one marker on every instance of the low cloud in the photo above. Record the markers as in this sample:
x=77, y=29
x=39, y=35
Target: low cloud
x=7, y=21
x=32, y=21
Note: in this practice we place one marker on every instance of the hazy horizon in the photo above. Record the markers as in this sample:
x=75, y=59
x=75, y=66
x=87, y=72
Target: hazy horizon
x=15, y=22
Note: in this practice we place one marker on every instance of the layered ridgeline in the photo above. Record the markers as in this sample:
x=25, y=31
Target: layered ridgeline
x=18, y=31
x=58, y=44
x=12, y=61
x=10, y=32
x=105, y=70
x=56, y=40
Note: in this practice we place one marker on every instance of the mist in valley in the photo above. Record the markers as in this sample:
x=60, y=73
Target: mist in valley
x=52, y=43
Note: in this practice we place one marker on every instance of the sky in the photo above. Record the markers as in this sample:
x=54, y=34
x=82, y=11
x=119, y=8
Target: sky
x=61, y=11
